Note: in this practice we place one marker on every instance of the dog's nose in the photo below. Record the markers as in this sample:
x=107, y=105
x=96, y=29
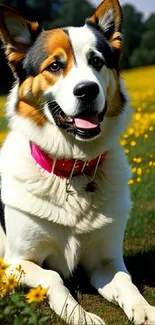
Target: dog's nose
x=86, y=91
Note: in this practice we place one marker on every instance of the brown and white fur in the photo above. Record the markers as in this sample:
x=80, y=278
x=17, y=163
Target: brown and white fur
x=43, y=222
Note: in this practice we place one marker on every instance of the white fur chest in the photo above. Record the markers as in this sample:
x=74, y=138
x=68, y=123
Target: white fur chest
x=26, y=187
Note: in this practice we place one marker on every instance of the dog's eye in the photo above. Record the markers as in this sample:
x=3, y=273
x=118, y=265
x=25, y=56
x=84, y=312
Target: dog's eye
x=96, y=62
x=55, y=66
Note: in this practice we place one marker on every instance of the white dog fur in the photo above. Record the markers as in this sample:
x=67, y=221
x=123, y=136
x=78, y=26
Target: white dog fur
x=46, y=224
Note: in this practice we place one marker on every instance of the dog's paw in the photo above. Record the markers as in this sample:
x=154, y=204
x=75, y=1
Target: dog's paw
x=142, y=314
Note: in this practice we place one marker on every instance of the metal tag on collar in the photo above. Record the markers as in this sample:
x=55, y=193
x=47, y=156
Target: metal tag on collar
x=91, y=186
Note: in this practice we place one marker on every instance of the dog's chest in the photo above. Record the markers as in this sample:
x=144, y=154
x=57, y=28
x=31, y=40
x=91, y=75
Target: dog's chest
x=76, y=203
x=51, y=198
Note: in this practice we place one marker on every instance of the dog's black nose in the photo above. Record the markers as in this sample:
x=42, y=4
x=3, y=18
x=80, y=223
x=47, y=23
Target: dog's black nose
x=86, y=91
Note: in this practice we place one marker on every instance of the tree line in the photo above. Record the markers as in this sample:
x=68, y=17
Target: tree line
x=139, y=33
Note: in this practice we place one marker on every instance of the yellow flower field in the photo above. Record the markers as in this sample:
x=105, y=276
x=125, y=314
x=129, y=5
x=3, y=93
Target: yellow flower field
x=140, y=84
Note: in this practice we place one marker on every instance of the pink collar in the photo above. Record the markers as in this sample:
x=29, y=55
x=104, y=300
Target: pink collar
x=63, y=167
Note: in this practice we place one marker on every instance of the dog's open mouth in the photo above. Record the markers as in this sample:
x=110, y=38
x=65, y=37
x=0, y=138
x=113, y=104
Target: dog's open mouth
x=85, y=125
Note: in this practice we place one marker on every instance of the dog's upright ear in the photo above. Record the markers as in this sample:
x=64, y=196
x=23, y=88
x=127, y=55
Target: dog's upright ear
x=17, y=34
x=109, y=18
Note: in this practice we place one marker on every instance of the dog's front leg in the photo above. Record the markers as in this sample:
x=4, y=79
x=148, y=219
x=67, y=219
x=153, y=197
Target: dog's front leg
x=114, y=283
x=60, y=299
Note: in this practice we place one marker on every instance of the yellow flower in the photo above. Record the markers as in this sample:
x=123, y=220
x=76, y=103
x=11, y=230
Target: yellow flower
x=138, y=179
x=37, y=294
x=132, y=143
x=3, y=289
x=137, y=116
x=11, y=282
x=126, y=151
x=131, y=131
x=139, y=171
x=3, y=265
x=131, y=181
x=123, y=142
x=151, y=163
x=2, y=274
x=151, y=128
x=146, y=135
x=134, y=169
x=20, y=270
x=139, y=160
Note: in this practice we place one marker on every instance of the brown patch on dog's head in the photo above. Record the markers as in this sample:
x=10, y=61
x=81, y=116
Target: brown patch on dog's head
x=55, y=48
x=29, y=105
x=29, y=111
x=58, y=47
x=108, y=18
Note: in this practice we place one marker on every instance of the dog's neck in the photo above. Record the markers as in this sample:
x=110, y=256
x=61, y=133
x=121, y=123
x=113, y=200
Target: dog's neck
x=65, y=167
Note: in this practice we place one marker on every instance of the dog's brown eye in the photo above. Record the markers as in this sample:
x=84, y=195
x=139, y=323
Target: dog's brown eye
x=96, y=62
x=55, y=66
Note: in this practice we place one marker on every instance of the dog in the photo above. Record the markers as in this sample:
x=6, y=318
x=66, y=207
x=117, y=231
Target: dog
x=64, y=175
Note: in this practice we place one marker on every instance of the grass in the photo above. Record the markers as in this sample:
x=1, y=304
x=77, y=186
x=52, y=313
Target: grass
x=139, y=243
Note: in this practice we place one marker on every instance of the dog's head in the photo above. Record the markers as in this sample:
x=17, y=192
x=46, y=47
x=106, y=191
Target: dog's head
x=68, y=77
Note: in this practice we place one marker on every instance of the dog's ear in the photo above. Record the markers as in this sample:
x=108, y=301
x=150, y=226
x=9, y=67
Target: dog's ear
x=109, y=18
x=17, y=34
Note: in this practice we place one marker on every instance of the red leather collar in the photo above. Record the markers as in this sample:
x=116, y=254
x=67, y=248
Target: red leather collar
x=63, y=167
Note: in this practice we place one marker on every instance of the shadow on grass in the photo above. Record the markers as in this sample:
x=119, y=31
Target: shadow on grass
x=79, y=282
x=141, y=267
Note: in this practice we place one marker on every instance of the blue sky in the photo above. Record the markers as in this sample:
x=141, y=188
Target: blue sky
x=146, y=6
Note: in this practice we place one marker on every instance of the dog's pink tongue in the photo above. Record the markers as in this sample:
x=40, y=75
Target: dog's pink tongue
x=89, y=121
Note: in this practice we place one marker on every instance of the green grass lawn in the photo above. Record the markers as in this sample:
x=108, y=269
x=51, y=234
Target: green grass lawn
x=139, y=243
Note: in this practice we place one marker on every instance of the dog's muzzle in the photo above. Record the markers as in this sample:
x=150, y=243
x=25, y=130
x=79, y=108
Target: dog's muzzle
x=85, y=125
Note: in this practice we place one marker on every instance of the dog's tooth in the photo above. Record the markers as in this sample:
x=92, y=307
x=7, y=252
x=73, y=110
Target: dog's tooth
x=69, y=119
x=66, y=119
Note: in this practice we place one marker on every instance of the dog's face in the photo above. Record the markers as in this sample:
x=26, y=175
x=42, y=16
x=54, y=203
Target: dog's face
x=67, y=76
